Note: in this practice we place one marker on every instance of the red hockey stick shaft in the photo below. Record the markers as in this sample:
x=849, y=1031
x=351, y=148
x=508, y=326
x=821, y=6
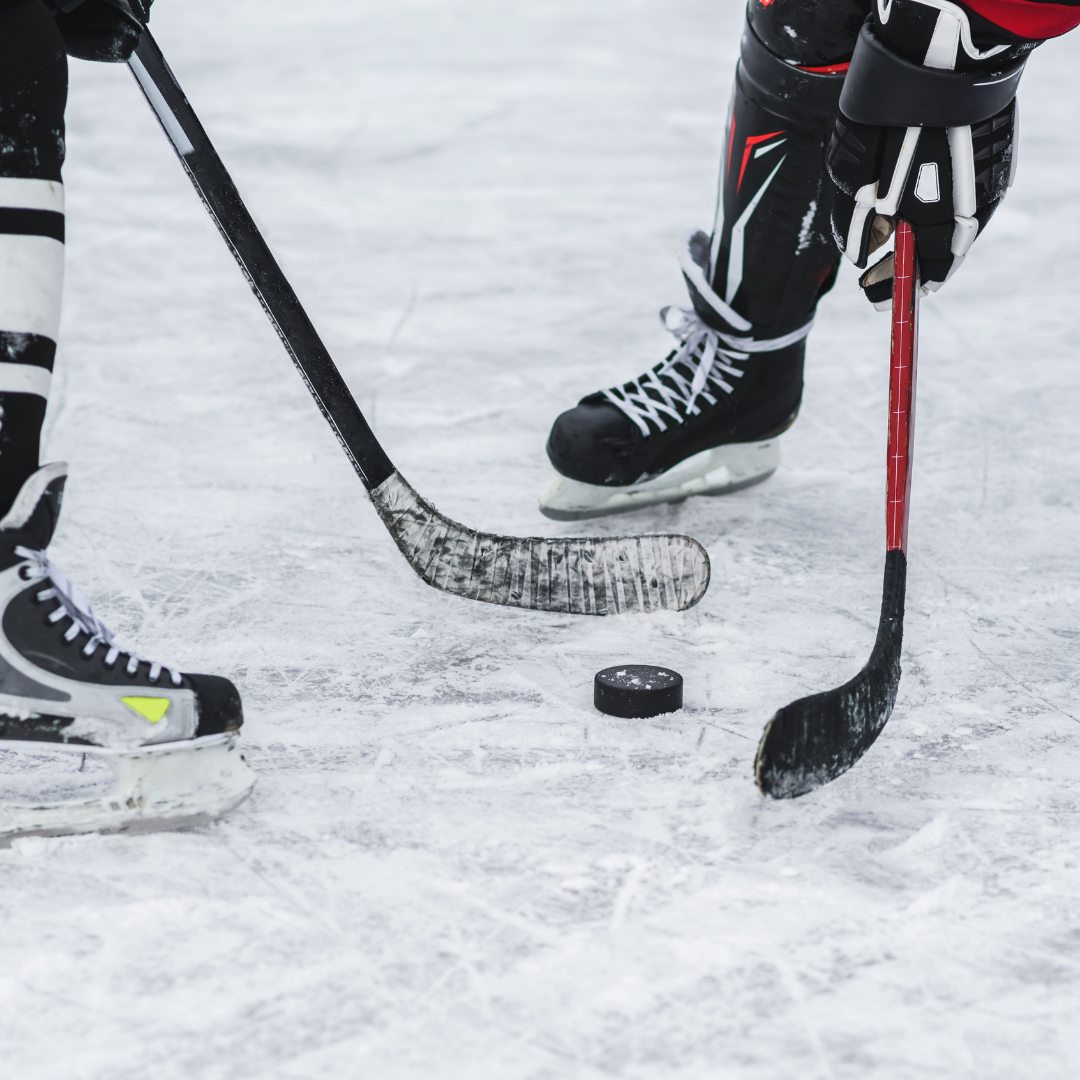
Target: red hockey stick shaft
x=903, y=361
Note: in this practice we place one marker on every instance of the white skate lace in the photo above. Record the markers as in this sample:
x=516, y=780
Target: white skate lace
x=83, y=620
x=699, y=366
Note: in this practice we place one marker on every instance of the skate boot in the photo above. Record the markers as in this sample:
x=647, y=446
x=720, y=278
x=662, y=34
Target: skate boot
x=706, y=420
x=171, y=739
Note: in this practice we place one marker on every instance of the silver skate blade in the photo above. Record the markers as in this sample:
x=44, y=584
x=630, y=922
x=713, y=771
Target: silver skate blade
x=588, y=575
x=155, y=787
x=718, y=471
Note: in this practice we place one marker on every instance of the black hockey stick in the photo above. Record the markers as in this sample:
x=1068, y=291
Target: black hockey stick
x=581, y=576
x=815, y=739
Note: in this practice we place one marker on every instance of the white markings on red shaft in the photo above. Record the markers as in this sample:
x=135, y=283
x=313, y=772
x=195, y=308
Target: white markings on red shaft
x=903, y=360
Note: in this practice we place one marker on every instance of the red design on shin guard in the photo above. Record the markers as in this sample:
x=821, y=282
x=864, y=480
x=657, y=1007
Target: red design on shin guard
x=751, y=142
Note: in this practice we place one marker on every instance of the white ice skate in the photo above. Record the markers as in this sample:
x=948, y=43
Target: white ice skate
x=718, y=471
x=169, y=738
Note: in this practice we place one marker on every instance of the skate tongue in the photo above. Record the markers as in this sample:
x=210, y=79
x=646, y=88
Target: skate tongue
x=36, y=509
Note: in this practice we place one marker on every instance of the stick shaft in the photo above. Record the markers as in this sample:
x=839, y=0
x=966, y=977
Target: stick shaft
x=903, y=361
x=222, y=199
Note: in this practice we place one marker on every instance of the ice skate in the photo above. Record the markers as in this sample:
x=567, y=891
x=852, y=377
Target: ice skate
x=170, y=739
x=704, y=421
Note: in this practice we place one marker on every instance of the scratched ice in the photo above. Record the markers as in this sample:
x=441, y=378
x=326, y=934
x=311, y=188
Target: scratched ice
x=453, y=866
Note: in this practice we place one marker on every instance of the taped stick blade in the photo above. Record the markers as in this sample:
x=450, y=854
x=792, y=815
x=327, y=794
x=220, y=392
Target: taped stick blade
x=574, y=575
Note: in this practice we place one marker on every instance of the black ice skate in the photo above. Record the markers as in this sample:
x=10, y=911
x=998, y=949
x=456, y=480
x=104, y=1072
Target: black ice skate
x=705, y=421
x=169, y=738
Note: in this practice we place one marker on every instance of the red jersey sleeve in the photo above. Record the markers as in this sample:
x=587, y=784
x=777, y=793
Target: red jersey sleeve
x=1029, y=19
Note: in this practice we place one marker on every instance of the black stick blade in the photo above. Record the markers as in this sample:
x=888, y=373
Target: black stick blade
x=817, y=738
x=589, y=575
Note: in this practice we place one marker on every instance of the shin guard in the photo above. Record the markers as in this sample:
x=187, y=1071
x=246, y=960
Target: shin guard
x=772, y=255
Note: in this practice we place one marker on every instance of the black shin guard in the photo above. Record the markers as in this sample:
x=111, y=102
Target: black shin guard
x=772, y=255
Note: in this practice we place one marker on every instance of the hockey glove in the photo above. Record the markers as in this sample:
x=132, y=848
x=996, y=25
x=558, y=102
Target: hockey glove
x=103, y=30
x=926, y=132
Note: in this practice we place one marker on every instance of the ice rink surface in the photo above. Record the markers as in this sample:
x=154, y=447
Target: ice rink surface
x=452, y=866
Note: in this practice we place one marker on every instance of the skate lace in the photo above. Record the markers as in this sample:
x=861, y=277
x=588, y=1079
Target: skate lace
x=699, y=368
x=702, y=361
x=83, y=620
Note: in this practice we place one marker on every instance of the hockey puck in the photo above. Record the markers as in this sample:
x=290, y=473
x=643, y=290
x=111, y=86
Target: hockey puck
x=637, y=691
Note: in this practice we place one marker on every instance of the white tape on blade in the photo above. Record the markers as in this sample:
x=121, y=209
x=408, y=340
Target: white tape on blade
x=17, y=193
x=25, y=379
x=158, y=104
x=31, y=284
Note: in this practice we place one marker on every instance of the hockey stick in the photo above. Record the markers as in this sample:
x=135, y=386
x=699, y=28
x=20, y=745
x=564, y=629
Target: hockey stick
x=581, y=576
x=815, y=739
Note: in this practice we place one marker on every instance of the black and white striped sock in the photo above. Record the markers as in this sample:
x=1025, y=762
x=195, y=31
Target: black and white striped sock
x=31, y=286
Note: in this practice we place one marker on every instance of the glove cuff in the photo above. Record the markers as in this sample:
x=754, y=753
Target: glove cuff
x=885, y=90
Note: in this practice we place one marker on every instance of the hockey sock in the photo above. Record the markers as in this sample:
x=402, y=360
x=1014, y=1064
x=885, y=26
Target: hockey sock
x=772, y=255
x=33, y=93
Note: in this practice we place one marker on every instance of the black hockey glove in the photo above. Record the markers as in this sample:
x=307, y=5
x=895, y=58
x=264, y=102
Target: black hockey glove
x=103, y=30
x=926, y=132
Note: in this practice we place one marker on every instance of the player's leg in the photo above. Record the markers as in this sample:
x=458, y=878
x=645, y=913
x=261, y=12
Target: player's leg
x=705, y=420
x=62, y=681
x=33, y=92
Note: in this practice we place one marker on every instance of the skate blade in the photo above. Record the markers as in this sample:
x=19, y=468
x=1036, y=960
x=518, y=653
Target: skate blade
x=167, y=786
x=719, y=471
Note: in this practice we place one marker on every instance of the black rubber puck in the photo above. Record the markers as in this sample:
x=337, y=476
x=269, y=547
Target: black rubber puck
x=637, y=691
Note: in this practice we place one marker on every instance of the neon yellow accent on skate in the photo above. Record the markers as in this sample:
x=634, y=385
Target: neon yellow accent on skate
x=149, y=708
